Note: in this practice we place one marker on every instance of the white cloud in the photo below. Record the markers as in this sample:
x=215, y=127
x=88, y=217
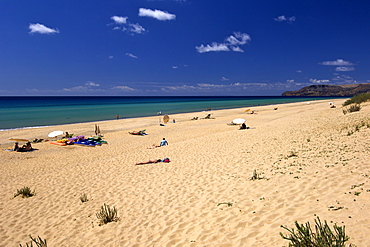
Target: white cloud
x=136, y=28
x=224, y=79
x=284, y=18
x=124, y=88
x=338, y=62
x=238, y=39
x=299, y=71
x=92, y=84
x=174, y=67
x=110, y=57
x=319, y=81
x=343, y=79
x=81, y=89
x=231, y=43
x=213, y=47
x=126, y=25
x=209, y=87
x=39, y=28
x=131, y=55
x=344, y=68
x=119, y=19
x=157, y=14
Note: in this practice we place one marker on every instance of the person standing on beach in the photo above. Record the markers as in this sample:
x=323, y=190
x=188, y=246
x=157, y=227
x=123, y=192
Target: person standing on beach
x=117, y=116
x=163, y=142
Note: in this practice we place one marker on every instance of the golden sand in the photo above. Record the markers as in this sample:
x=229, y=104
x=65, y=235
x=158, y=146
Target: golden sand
x=312, y=160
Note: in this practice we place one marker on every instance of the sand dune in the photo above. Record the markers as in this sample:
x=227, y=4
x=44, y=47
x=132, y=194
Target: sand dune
x=311, y=159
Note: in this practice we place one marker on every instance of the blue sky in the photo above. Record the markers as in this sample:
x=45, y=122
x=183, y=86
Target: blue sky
x=181, y=47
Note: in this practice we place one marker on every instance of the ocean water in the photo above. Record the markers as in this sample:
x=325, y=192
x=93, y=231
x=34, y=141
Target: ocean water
x=28, y=112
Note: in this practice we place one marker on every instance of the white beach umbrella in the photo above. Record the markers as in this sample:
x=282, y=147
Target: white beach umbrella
x=239, y=121
x=55, y=133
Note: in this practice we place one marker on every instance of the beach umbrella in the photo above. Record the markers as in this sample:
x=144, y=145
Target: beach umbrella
x=239, y=121
x=166, y=118
x=18, y=140
x=55, y=133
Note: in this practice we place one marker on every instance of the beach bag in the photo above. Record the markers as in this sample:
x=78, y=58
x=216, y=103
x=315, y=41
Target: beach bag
x=166, y=160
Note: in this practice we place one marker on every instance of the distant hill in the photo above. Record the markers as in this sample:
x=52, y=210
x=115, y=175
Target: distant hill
x=331, y=90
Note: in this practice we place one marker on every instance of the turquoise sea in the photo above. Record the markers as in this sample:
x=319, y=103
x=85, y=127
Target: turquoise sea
x=28, y=112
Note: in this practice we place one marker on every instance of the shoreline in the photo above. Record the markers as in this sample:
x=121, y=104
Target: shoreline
x=251, y=104
x=50, y=128
x=312, y=160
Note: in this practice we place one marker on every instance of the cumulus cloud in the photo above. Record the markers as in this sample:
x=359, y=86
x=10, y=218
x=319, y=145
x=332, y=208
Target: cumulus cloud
x=119, y=19
x=284, y=18
x=131, y=55
x=344, y=69
x=40, y=28
x=213, y=47
x=231, y=43
x=157, y=14
x=126, y=26
x=338, y=62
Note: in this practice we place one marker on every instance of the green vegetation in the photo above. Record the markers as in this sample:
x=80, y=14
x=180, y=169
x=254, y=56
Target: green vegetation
x=358, y=99
x=107, y=214
x=38, y=241
x=25, y=192
x=323, y=236
x=352, y=108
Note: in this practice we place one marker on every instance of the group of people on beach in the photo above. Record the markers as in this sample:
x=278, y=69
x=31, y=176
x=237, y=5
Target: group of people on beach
x=25, y=148
x=164, y=142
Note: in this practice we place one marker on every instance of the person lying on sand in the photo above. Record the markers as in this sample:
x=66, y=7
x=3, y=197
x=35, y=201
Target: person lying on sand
x=141, y=132
x=154, y=146
x=166, y=160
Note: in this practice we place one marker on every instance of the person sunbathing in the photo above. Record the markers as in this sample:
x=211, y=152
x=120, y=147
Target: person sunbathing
x=141, y=132
x=166, y=160
x=25, y=148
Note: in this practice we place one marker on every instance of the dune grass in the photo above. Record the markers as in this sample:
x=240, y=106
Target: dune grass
x=322, y=236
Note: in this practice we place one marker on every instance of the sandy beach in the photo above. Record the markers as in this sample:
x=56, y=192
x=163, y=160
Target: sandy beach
x=312, y=161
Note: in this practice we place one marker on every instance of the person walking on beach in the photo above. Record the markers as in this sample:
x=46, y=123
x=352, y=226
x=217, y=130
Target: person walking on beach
x=163, y=142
